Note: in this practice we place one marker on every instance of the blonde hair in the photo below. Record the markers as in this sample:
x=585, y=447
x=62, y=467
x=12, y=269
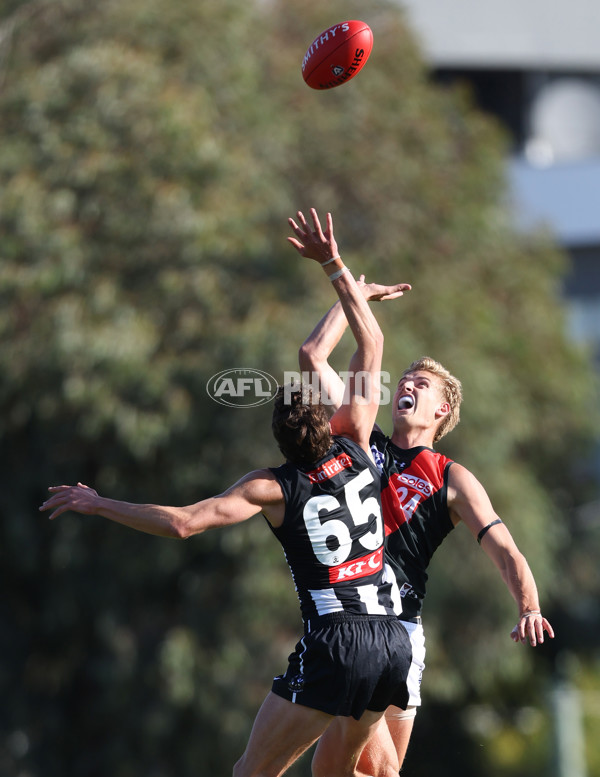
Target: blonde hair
x=451, y=391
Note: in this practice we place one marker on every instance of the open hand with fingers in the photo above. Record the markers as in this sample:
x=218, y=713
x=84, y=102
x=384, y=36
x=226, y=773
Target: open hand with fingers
x=79, y=498
x=377, y=292
x=531, y=626
x=314, y=243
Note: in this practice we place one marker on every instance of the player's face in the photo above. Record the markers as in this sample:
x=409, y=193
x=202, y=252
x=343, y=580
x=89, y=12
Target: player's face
x=418, y=399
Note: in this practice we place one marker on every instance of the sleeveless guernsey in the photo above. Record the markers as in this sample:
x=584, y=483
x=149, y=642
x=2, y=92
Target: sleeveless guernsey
x=332, y=534
x=415, y=510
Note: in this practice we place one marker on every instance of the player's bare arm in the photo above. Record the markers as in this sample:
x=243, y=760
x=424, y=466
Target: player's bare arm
x=314, y=353
x=256, y=492
x=468, y=501
x=356, y=415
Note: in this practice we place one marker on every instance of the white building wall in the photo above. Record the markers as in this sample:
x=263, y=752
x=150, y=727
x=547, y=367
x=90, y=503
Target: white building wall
x=546, y=34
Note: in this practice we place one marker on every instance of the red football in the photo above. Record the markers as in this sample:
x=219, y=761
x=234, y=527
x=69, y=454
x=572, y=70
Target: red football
x=337, y=54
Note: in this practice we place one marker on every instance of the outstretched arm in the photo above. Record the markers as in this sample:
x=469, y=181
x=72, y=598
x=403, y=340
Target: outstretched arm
x=256, y=492
x=469, y=502
x=313, y=356
x=315, y=351
x=356, y=415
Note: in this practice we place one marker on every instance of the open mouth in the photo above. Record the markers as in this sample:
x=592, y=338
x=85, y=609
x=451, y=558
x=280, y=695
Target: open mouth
x=406, y=402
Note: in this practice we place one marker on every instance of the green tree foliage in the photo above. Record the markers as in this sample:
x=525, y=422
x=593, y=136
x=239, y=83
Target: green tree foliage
x=151, y=152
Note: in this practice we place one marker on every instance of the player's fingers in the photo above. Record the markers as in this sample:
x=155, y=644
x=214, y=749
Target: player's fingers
x=50, y=502
x=398, y=287
x=535, y=625
x=540, y=624
x=539, y=633
x=397, y=291
x=548, y=628
x=391, y=292
x=295, y=227
x=57, y=512
x=394, y=295
x=329, y=223
x=317, y=223
x=532, y=634
x=297, y=244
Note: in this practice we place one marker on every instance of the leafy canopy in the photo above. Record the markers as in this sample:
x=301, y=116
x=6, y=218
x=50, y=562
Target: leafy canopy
x=150, y=154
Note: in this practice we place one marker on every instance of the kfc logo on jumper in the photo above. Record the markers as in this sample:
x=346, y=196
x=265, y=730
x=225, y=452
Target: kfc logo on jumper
x=330, y=468
x=362, y=567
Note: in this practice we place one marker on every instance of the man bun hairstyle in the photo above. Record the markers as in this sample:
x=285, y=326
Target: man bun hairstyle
x=300, y=425
x=451, y=391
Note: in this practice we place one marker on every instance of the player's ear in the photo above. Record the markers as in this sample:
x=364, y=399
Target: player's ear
x=442, y=410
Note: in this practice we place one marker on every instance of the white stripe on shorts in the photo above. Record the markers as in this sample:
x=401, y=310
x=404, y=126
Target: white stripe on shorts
x=415, y=673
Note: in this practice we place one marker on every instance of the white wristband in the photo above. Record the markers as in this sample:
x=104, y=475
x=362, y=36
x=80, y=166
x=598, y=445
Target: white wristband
x=329, y=261
x=338, y=274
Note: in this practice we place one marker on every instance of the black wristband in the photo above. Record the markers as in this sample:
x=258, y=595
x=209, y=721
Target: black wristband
x=482, y=533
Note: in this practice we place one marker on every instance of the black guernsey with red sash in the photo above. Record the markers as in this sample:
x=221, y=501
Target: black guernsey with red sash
x=414, y=497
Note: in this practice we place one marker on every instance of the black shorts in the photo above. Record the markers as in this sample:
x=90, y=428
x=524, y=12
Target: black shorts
x=347, y=664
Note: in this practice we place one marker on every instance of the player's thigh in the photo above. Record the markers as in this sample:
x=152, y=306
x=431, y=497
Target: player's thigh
x=341, y=747
x=282, y=731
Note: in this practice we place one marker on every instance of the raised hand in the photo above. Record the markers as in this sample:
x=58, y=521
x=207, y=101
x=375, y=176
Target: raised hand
x=314, y=243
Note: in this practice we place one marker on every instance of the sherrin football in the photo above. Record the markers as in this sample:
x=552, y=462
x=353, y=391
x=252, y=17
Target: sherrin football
x=337, y=54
